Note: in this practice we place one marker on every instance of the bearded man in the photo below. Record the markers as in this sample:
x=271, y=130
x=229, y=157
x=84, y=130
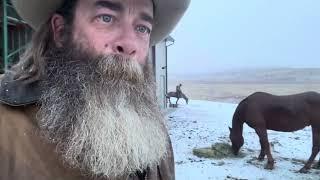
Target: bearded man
x=81, y=102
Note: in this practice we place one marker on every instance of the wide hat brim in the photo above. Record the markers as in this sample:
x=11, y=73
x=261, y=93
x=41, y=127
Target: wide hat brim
x=167, y=14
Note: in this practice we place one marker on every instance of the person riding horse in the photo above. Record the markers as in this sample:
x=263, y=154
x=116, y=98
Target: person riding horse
x=178, y=94
x=178, y=90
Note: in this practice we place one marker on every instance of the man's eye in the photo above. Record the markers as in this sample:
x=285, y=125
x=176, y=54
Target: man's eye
x=106, y=18
x=143, y=29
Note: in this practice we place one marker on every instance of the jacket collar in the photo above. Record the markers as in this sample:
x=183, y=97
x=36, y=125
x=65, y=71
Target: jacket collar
x=18, y=92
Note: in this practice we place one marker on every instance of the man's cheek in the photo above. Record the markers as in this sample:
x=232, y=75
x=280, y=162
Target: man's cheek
x=143, y=59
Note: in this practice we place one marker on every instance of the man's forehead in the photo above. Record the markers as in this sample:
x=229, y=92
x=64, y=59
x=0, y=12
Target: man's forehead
x=145, y=5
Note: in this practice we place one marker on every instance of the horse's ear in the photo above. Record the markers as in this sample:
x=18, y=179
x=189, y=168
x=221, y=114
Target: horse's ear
x=230, y=129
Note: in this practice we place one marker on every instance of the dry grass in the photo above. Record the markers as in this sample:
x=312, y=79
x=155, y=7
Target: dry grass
x=216, y=151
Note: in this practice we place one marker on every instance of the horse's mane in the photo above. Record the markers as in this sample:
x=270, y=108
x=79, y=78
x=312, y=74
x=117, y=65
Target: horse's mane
x=239, y=114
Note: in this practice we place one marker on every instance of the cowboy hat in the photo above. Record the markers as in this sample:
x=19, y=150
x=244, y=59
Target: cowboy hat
x=167, y=14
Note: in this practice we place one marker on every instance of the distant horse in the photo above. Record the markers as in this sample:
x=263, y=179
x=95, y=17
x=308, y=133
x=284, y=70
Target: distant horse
x=262, y=111
x=175, y=95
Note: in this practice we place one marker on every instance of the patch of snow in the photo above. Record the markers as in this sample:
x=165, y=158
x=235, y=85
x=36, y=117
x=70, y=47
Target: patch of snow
x=203, y=123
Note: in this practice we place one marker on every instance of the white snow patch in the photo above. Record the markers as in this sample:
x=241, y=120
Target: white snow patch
x=203, y=123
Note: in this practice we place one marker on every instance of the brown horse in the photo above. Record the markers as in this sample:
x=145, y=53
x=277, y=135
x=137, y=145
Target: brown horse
x=262, y=111
x=176, y=95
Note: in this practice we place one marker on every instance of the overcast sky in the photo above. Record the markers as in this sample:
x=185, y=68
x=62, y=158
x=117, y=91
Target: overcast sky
x=215, y=35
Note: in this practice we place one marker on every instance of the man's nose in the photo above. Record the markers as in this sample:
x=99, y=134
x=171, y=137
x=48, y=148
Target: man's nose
x=125, y=45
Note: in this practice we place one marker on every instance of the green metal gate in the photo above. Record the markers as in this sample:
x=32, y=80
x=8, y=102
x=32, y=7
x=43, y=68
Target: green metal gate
x=15, y=35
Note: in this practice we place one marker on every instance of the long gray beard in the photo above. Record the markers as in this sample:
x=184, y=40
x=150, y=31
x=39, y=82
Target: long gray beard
x=103, y=115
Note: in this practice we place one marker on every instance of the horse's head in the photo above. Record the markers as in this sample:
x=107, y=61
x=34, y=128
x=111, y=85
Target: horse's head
x=236, y=140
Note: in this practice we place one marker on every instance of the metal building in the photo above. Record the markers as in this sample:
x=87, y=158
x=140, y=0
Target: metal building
x=15, y=34
x=159, y=56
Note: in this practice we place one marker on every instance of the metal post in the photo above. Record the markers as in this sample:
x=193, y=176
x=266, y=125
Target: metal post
x=167, y=45
x=166, y=49
x=5, y=34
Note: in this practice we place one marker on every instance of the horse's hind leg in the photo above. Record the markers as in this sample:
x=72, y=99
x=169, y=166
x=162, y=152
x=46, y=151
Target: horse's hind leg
x=265, y=148
x=315, y=149
x=318, y=164
x=262, y=152
x=169, y=101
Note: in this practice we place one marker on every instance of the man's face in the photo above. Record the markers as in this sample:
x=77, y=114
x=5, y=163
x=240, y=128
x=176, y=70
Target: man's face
x=114, y=27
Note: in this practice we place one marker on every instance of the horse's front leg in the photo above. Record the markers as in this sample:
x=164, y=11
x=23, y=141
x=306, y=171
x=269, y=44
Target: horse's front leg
x=315, y=149
x=265, y=148
x=177, y=100
x=262, y=151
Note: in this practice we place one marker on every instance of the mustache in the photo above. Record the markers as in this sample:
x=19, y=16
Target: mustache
x=121, y=68
x=102, y=67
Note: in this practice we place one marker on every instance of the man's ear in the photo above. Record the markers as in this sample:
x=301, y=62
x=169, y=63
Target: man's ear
x=57, y=24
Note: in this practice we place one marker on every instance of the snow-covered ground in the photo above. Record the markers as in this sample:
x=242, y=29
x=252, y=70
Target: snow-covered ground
x=203, y=123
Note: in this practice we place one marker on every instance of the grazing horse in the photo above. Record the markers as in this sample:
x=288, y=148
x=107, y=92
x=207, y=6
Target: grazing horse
x=176, y=95
x=262, y=111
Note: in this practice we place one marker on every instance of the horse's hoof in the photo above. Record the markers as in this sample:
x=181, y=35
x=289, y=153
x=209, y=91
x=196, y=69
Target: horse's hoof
x=269, y=166
x=303, y=170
